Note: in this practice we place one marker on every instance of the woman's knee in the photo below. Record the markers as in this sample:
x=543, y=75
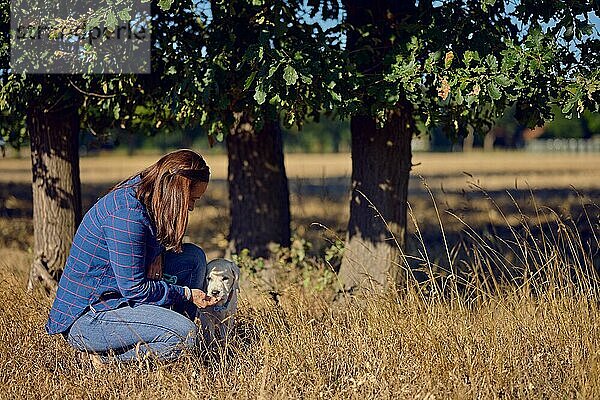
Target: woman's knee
x=184, y=333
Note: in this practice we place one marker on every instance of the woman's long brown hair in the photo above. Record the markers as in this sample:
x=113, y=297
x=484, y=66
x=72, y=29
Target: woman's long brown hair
x=165, y=191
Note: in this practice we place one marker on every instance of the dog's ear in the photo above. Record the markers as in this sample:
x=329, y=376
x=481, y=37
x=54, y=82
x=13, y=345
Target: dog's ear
x=236, y=274
x=209, y=268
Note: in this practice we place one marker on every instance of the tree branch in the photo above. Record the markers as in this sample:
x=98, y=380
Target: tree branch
x=102, y=96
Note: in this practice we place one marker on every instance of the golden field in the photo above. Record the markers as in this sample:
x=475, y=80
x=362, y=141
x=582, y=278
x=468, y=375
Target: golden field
x=508, y=309
x=540, y=170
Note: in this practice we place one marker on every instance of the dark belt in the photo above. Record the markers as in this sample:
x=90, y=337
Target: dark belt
x=104, y=297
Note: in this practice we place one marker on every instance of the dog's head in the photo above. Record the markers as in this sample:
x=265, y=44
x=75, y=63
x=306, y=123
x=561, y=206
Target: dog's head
x=222, y=278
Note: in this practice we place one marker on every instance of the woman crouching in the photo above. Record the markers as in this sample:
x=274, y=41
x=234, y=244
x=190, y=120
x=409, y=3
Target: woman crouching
x=130, y=287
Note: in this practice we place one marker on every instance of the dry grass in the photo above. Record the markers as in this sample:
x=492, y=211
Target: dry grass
x=508, y=310
x=495, y=170
x=510, y=345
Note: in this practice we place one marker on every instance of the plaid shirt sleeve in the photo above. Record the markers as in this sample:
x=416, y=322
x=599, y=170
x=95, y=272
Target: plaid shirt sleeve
x=126, y=233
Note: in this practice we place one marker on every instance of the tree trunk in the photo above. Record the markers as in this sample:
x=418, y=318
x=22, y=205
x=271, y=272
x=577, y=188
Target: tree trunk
x=488, y=140
x=336, y=139
x=258, y=187
x=468, y=142
x=381, y=163
x=381, y=158
x=56, y=187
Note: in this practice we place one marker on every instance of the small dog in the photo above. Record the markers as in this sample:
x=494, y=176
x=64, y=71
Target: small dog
x=222, y=282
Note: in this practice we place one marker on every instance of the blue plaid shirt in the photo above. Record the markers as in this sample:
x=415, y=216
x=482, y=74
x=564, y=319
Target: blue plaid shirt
x=106, y=267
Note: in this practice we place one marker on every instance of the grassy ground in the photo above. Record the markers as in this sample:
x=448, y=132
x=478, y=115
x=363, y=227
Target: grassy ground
x=507, y=346
x=528, y=330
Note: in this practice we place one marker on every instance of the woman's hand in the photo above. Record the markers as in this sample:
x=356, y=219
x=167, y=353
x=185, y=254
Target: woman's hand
x=202, y=300
x=155, y=269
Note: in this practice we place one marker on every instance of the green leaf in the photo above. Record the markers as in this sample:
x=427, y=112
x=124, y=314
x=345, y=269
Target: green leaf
x=217, y=129
x=249, y=81
x=116, y=111
x=502, y=80
x=492, y=62
x=428, y=121
x=306, y=79
x=290, y=75
x=203, y=117
x=459, y=97
x=272, y=70
x=335, y=95
x=510, y=58
x=124, y=15
x=568, y=107
x=92, y=23
x=470, y=56
x=486, y=3
x=259, y=95
x=429, y=62
x=165, y=4
x=111, y=19
x=494, y=91
x=275, y=100
x=290, y=119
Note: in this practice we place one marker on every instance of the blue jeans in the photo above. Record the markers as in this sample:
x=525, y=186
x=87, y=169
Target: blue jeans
x=128, y=332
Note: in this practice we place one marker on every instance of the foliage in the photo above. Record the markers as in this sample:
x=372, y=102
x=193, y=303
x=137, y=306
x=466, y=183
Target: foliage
x=312, y=273
x=209, y=61
x=12, y=129
x=460, y=64
x=123, y=101
x=248, y=264
x=295, y=255
x=290, y=264
x=261, y=58
x=333, y=255
x=561, y=127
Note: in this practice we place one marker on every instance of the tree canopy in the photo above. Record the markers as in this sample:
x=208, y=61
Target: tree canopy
x=459, y=63
x=462, y=63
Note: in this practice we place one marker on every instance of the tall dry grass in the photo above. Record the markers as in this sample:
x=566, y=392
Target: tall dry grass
x=511, y=314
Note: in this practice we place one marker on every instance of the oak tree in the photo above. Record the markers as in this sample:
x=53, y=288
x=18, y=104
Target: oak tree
x=457, y=64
